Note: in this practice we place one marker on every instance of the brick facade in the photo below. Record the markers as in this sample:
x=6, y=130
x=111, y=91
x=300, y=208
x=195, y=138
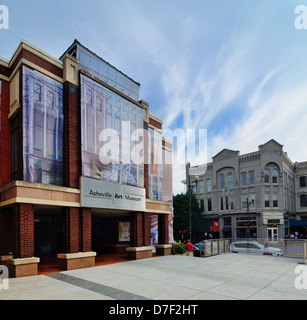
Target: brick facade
x=5, y=159
x=17, y=219
x=23, y=230
x=72, y=136
x=163, y=227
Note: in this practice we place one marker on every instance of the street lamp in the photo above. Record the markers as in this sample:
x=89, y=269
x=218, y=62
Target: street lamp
x=190, y=204
x=248, y=204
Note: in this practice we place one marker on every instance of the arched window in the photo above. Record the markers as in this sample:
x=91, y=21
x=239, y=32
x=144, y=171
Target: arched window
x=222, y=181
x=275, y=176
x=230, y=180
x=266, y=176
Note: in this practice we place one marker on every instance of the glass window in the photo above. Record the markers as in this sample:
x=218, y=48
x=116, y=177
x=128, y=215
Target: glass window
x=303, y=199
x=114, y=157
x=230, y=180
x=243, y=179
x=209, y=201
x=303, y=182
x=275, y=200
x=105, y=72
x=209, y=187
x=222, y=181
x=266, y=176
x=232, y=204
x=275, y=176
x=244, y=199
x=42, y=129
x=222, y=203
x=227, y=203
x=202, y=205
x=252, y=177
x=252, y=200
x=267, y=200
x=201, y=186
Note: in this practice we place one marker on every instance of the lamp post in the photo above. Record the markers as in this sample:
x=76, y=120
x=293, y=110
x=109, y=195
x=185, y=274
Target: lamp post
x=190, y=205
x=248, y=204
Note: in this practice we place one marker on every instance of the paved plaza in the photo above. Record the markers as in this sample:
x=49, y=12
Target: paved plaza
x=224, y=277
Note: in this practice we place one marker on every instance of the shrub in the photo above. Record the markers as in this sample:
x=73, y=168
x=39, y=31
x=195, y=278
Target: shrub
x=178, y=248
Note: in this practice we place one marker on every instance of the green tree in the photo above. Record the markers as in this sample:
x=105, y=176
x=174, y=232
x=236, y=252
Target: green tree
x=181, y=215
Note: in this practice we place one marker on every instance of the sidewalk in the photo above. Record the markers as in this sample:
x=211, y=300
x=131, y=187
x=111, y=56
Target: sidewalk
x=224, y=277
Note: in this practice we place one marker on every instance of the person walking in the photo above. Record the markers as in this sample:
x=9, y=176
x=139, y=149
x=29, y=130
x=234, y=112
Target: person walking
x=189, y=247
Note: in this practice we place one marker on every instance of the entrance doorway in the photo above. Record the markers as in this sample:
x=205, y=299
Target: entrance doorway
x=47, y=236
x=272, y=233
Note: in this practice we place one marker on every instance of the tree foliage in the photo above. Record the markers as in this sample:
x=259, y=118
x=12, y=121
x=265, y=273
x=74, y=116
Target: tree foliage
x=181, y=214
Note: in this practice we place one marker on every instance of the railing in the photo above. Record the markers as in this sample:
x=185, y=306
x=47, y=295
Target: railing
x=291, y=248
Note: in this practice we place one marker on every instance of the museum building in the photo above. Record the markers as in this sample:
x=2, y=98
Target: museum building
x=84, y=168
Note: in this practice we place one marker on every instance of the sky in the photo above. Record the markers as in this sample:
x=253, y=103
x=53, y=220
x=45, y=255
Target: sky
x=237, y=69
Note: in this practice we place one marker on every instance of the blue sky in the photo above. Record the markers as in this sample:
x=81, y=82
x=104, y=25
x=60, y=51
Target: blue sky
x=236, y=68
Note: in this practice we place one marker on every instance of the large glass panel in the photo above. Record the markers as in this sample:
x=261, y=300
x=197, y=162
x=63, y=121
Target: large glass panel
x=108, y=123
x=107, y=73
x=155, y=166
x=42, y=129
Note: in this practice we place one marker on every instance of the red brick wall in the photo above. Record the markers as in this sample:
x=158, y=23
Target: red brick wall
x=71, y=230
x=86, y=230
x=163, y=229
x=23, y=230
x=146, y=230
x=72, y=137
x=136, y=229
x=5, y=159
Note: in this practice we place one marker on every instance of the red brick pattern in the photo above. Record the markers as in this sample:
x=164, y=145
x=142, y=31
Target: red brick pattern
x=136, y=229
x=23, y=230
x=71, y=230
x=146, y=230
x=72, y=136
x=86, y=232
x=163, y=229
x=5, y=159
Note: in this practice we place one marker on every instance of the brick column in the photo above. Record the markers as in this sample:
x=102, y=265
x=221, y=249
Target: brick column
x=23, y=230
x=146, y=230
x=163, y=229
x=163, y=248
x=136, y=229
x=5, y=159
x=72, y=136
x=86, y=230
x=71, y=230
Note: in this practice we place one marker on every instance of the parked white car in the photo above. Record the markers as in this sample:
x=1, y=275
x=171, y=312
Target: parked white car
x=254, y=247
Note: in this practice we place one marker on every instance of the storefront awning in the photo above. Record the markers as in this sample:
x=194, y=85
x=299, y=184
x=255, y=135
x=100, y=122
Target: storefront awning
x=297, y=223
x=227, y=229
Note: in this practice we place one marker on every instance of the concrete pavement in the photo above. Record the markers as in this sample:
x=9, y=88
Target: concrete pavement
x=224, y=277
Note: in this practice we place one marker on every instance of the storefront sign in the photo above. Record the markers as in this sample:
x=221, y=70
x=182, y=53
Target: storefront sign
x=109, y=195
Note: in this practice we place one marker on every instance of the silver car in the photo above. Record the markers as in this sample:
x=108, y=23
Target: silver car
x=254, y=247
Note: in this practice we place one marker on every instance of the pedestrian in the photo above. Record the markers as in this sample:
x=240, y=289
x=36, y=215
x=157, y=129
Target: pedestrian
x=189, y=246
